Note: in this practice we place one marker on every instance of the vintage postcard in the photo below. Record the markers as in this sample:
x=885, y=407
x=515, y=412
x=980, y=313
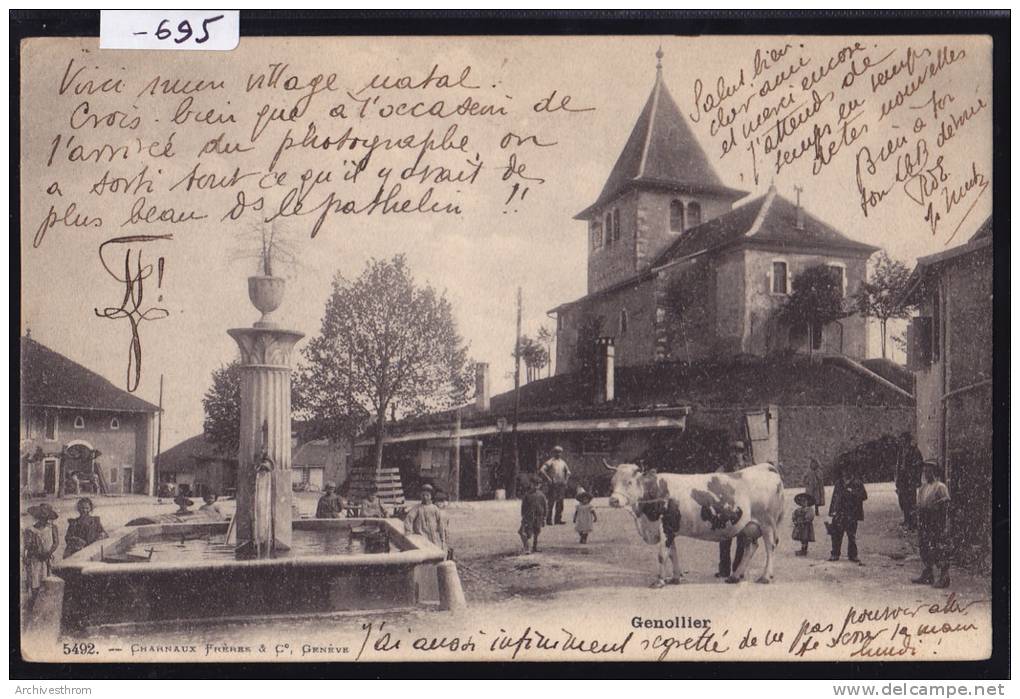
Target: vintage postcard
x=598, y=348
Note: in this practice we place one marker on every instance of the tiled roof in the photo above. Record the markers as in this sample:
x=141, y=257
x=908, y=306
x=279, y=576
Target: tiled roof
x=51, y=379
x=925, y=265
x=746, y=381
x=661, y=151
x=767, y=219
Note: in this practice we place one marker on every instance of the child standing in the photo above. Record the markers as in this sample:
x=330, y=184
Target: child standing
x=803, y=521
x=584, y=516
x=534, y=508
x=40, y=541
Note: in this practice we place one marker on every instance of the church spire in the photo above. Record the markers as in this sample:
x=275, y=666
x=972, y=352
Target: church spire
x=661, y=152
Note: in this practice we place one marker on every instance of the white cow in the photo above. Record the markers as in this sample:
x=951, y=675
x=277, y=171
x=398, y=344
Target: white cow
x=710, y=506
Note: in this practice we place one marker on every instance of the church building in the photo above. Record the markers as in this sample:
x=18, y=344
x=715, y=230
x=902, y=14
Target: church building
x=677, y=270
x=679, y=334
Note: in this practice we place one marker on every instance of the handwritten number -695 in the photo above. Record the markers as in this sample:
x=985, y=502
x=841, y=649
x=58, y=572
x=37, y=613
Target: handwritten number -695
x=185, y=30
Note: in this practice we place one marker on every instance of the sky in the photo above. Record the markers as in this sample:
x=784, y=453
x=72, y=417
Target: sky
x=479, y=257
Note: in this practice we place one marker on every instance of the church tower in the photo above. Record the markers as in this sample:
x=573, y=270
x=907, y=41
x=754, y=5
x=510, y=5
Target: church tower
x=661, y=186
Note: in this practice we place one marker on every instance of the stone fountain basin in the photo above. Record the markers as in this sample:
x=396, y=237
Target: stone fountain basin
x=99, y=593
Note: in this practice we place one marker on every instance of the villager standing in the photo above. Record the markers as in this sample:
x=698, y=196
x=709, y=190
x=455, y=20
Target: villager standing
x=84, y=530
x=846, y=510
x=814, y=484
x=908, y=478
x=584, y=516
x=425, y=520
x=556, y=472
x=534, y=509
x=932, y=516
x=726, y=569
x=803, y=521
x=39, y=544
x=331, y=505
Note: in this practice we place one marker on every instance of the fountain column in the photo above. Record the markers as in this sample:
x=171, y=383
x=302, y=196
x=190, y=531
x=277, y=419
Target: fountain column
x=264, y=488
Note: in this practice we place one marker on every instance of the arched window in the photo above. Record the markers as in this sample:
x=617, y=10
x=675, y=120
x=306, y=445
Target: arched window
x=676, y=216
x=693, y=214
x=623, y=321
x=114, y=424
x=79, y=422
x=609, y=228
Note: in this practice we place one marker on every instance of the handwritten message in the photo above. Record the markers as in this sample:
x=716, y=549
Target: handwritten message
x=893, y=632
x=888, y=111
x=189, y=150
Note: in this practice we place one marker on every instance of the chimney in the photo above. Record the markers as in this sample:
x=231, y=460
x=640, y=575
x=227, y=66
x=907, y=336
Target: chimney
x=482, y=386
x=800, y=209
x=605, y=369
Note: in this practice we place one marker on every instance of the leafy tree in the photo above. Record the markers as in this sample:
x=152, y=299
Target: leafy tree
x=385, y=345
x=222, y=405
x=535, y=357
x=546, y=337
x=815, y=300
x=881, y=296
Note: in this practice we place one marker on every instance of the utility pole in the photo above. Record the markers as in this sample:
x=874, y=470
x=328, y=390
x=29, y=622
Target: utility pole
x=517, y=397
x=153, y=485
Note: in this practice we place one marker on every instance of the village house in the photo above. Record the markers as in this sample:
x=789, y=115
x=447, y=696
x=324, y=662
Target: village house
x=197, y=465
x=680, y=328
x=78, y=432
x=949, y=348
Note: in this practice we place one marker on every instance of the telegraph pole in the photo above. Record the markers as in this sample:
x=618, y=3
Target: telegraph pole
x=517, y=397
x=153, y=484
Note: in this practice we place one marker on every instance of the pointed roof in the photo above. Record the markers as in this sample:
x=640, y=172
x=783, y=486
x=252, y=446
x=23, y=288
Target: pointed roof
x=662, y=151
x=52, y=380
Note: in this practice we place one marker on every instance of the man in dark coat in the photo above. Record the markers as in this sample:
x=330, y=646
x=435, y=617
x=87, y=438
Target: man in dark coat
x=846, y=510
x=908, y=478
x=726, y=569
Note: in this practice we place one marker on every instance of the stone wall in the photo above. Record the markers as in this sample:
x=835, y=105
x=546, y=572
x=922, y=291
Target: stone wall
x=653, y=220
x=764, y=334
x=635, y=346
x=615, y=262
x=825, y=432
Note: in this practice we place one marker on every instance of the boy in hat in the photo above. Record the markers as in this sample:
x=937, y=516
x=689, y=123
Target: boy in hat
x=803, y=521
x=40, y=543
x=932, y=513
x=846, y=510
x=330, y=505
x=83, y=530
x=557, y=474
x=534, y=508
x=425, y=519
x=584, y=516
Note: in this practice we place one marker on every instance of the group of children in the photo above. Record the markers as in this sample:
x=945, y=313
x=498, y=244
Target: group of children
x=535, y=510
x=40, y=541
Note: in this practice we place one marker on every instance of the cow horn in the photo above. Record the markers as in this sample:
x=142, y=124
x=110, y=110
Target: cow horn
x=606, y=464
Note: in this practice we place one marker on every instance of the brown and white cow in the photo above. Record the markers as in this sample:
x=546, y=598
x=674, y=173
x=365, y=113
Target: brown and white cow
x=710, y=506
